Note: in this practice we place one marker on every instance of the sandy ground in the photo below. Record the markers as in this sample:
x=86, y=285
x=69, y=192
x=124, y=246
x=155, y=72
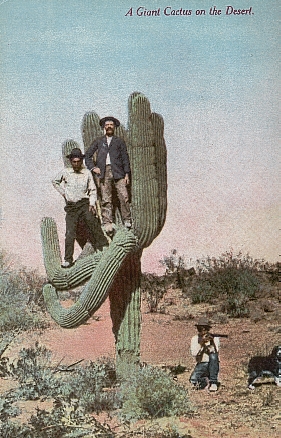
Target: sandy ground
x=234, y=411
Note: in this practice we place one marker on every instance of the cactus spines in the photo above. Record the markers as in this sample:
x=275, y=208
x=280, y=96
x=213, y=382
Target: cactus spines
x=116, y=271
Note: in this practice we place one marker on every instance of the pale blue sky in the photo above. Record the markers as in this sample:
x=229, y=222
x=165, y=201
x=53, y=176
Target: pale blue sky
x=214, y=79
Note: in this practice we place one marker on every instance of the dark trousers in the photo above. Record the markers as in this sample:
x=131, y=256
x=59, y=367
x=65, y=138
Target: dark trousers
x=206, y=369
x=74, y=212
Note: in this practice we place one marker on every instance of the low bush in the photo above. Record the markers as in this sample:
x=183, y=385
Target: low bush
x=152, y=393
x=93, y=385
x=153, y=290
x=34, y=373
x=67, y=421
x=77, y=393
x=11, y=429
x=21, y=299
x=233, y=279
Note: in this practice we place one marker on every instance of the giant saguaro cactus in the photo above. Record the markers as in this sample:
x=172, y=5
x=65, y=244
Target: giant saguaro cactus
x=116, y=271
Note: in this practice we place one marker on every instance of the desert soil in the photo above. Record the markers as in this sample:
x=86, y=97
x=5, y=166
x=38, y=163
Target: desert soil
x=234, y=411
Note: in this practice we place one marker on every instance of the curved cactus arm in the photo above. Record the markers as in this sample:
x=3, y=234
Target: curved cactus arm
x=64, y=278
x=145, y=149
x=96, y=290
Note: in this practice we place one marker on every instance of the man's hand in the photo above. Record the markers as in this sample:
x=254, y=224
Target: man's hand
x=92, y=208
x=202, y=341
x=127, y=179
x=96, y=170
x=205, y=338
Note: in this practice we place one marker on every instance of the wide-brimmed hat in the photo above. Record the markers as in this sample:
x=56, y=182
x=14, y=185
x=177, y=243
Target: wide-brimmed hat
x=203, y=322
x=75, y=153
x=109, y=119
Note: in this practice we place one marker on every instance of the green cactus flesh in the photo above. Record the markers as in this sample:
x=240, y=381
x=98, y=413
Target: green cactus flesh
x=67, y=147
x=90, y=128
x=125, y=302
x=96, y=290
x=64, y=278
x=148, y=161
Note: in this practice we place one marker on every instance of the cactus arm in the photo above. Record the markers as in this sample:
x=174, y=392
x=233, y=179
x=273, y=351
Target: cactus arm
x=147, y=179
x=96, y=290
x=63, y=278
x=90, y=129
x=67, y=147
x=160, y=167
x=122, y=133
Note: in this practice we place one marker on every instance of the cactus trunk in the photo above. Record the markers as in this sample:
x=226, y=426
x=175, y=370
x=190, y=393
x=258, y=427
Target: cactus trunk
x=125, y=306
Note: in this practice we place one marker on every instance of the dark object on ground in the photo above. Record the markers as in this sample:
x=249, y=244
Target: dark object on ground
x=265, y=366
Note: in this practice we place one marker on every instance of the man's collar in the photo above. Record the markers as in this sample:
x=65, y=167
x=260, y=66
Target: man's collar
x=82, y=168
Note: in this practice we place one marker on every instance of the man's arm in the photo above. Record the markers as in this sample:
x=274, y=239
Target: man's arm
x=58, y=183
x=92, y=191
x=125, y=158
x=217, y=342
x=195, y=347
x=89, y=155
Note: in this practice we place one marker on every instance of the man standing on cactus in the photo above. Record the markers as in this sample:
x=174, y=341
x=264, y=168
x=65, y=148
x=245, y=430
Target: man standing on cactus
x=112, y=167
x=77, y=186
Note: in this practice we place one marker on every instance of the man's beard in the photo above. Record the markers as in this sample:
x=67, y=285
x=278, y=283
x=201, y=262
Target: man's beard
x=109, y=132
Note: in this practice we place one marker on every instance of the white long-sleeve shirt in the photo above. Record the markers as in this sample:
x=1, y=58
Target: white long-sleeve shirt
x=195, y=347
x=75, y=186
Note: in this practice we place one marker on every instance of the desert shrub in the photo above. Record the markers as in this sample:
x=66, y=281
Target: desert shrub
x=21, y=299
x=231, y=278
x=10, y=429
x=155, y=431
x=93, y=386
x=75, y=394
x=153, y=290
x=151, y=393
x=176, y=272
x=7, y=409
x=63, y=421
x=34, y=373
x=67, y=421
x=38, y=379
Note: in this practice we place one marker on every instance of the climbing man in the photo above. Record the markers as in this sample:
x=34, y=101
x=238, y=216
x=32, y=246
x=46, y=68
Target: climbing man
x=112, y=167
x=204, y=347
x=77, y=186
